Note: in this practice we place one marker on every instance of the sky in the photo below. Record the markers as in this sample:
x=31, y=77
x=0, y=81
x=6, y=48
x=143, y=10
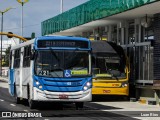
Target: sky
x=34, y=12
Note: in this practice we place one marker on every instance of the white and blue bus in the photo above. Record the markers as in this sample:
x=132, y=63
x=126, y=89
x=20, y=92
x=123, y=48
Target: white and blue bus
x=51, y=68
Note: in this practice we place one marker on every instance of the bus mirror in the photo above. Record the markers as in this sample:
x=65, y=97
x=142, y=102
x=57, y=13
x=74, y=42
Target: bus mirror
x=32, y=55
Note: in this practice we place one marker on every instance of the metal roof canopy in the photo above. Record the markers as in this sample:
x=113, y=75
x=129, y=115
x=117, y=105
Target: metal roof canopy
x=149, y=9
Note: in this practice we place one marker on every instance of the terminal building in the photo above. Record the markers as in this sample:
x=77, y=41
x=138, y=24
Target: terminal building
x=133, y=24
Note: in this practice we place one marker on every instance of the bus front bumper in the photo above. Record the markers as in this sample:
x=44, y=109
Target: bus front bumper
x=110, y=91
x=80, y=96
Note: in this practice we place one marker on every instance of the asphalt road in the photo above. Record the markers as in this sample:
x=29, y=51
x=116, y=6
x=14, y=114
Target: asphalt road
x=49, y=111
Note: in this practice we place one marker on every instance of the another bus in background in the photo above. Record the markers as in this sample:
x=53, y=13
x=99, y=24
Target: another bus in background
x=110, y=69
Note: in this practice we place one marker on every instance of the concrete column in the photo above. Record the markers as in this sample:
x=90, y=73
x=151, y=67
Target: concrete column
x=138, y=30
x=118, y=36
x=121, y=26
x=109, y=32
x=94, y=34
x=157, y=96
x=126, y=33
x=156, y=51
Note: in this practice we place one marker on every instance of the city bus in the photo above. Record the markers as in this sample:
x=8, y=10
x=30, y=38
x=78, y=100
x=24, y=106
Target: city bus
x=51, y=68
x=110, y=69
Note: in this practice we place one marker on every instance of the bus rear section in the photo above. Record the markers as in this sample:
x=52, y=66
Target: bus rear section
x=110, y=69
x=60, y=71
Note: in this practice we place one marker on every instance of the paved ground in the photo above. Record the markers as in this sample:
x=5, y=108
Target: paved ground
x=134, y=109
x=98, y=109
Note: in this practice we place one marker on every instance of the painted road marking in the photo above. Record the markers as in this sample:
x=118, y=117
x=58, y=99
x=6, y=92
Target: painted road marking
x=26, y=111
x=12, y=105
x=1, y=100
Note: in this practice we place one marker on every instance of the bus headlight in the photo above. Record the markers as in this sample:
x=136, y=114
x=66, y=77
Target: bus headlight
x=40, y=87
x=87, y=86
x=37, y=83
x=124, y=84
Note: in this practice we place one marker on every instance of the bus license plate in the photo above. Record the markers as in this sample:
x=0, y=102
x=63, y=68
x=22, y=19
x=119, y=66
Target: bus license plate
x=63, y=96
x=106, y=91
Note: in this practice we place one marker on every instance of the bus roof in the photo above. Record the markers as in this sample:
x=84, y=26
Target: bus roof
x=23, y=44
x=49, y=38
x=102, y=46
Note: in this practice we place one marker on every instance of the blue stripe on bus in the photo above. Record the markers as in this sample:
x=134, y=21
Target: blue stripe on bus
x=63, y=89
x=61, y=84
x=11, y=85
x=64, y=84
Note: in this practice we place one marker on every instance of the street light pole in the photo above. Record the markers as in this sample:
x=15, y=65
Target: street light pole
x=1, y=42
x=22, y=2
x=61, y=6
x=2, y=12
x=22, y=20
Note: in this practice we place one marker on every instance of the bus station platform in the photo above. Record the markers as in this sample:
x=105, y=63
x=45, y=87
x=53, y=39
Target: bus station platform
x=130, y=109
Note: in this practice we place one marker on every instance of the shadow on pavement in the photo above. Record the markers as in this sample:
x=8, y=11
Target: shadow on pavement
x=109, y=98
x=90, y=110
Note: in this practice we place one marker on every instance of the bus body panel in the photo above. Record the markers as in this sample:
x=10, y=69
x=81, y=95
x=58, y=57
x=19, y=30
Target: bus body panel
x=11, y=82
x=80, y=96
x=106, y=55
x=62, y=84
x=17, y=82
x=110, y=91
x=25, y=81
x=110, y=87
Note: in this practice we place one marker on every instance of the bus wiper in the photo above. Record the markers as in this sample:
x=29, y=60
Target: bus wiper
x=112, y=73
x=58, y=60
x=73, y=53
x=115, y=77
x=54, y=54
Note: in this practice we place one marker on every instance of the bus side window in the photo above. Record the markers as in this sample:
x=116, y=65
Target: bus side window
x=17, y=59
x=10, y=60
x=26, y=57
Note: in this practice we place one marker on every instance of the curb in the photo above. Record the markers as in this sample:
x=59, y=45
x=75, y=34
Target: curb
x=3, y=79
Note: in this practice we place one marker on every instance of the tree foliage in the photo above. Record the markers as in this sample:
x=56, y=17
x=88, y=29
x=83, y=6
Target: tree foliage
x=6, y=57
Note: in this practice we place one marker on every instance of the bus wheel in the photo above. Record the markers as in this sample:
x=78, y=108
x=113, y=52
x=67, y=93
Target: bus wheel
x=32, y=104
x=79, y=105
x=18, y=101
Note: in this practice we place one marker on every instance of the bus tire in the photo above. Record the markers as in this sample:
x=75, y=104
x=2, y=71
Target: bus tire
x=32, y=104
x=17, y=99
x=79, y=105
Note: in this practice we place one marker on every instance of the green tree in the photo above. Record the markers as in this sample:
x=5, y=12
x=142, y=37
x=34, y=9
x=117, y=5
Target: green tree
x=6, y=57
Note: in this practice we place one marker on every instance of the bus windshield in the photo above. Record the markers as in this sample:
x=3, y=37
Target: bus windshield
x=110, y=66
x=68, y=63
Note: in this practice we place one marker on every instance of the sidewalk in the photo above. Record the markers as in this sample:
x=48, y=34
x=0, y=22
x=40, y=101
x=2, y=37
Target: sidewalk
x=134, y=109
x=4, y=79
